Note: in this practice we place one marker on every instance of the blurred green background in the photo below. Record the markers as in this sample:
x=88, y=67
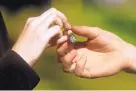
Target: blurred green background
x=117, y=18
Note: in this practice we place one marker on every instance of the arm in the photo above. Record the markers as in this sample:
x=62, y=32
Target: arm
x=15, y=65
x=15, y=73
x=103, y=54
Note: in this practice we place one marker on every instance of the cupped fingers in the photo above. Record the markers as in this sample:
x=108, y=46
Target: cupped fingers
x=80, y=70
x=64, y=48
x=69, y=57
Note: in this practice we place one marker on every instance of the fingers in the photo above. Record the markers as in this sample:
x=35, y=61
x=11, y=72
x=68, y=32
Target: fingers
x=61, y=19
x=68, y=58
x=62, y=40
x=64, y=46
x=89, y=32
x=46, y=13
x=50, y=12
x=37, y=20
x=65, y=22
x=69, y=68
x=63, y=49
x=52, y=31
x=44, y=25
x=47, y=22
x=80, y=67
x=66, y=61
x=58, y=21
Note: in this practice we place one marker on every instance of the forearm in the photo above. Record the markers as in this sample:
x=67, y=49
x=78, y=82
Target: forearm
x=15, y=73
x=23, y=53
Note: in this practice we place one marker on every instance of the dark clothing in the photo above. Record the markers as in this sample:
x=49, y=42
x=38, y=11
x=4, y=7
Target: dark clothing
x=15, y=73
x=4, y=41
x=16, y=5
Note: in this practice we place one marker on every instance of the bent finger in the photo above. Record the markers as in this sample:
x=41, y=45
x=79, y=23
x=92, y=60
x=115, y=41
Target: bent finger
x=68, y=58
x=80, y=66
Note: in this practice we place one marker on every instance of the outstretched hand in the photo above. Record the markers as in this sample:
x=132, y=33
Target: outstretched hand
x=103, y=54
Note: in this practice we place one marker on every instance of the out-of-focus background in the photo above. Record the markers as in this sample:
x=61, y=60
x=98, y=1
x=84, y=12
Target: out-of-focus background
x=118, y=16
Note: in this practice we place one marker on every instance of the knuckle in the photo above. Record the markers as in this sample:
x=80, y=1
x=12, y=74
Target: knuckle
x=67, y=60
x=65, y=70
x=64, y=61
x=54, y=9
x=77, y=73
x=56, y=28
x=32, y=23
x=65, y=20
x=30, y=19
x=82, y=75
x=91, y=74
x=58, y=51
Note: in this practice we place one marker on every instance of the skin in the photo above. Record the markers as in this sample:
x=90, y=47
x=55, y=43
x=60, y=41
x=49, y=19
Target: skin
x=103, y=54
x=38, y=33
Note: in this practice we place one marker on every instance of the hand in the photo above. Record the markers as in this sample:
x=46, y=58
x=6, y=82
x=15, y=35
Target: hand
x=103, y=54
x=37, y=34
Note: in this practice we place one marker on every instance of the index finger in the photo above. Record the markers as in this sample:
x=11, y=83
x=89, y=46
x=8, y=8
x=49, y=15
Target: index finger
x=65, y=22
x=59, y=14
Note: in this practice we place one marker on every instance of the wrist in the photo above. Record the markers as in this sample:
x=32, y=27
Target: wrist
x=130, y=55
x=23, y=55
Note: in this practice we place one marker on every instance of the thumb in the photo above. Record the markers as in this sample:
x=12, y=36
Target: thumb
x=85, y=31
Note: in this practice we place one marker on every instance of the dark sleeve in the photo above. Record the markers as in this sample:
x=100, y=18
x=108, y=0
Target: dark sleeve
x=15, y=73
